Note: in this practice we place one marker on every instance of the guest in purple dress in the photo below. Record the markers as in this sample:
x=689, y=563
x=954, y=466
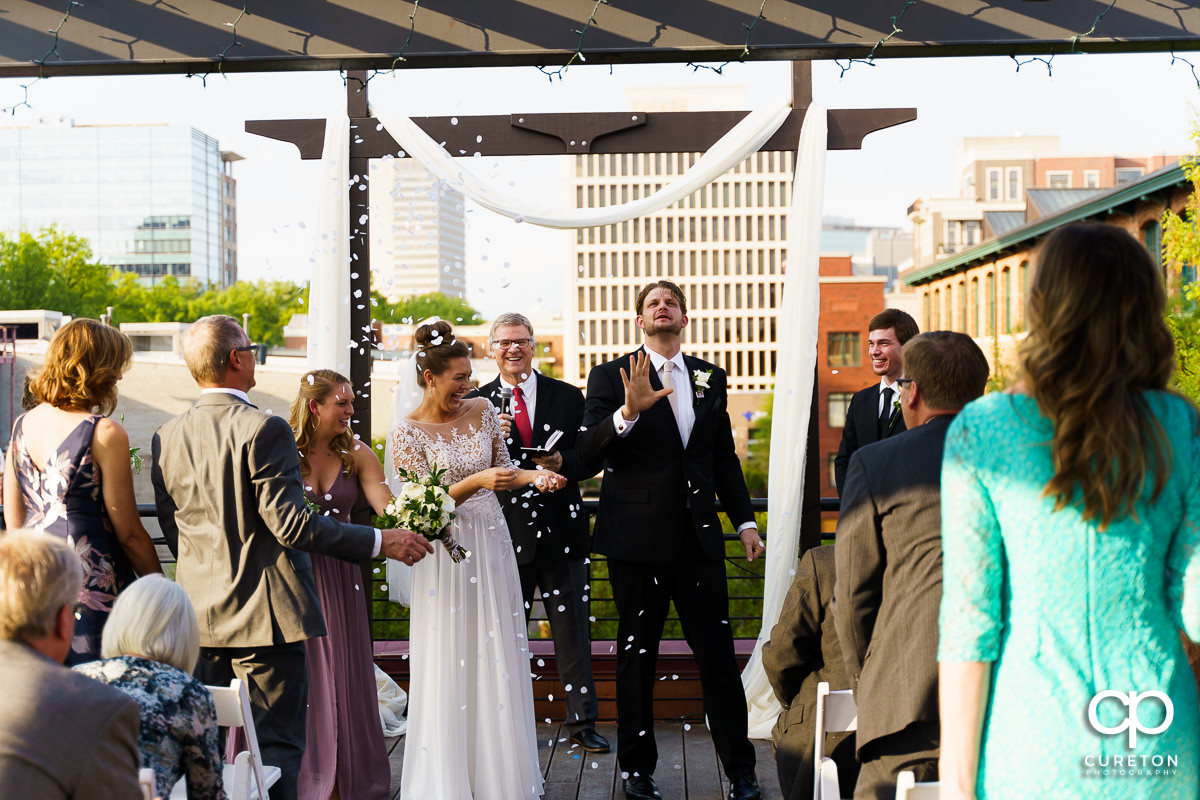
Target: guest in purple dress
x=345, y=748
x=69, y=475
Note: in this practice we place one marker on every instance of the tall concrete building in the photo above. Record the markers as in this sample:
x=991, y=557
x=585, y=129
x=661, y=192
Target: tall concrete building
x=418, y=232
x=724, y=244
x=155, y=200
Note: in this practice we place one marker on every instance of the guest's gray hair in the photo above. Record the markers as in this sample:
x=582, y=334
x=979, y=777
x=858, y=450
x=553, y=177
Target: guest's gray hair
x=511, y=318
x=39, y=574
x=207, y=344
x=153, y=618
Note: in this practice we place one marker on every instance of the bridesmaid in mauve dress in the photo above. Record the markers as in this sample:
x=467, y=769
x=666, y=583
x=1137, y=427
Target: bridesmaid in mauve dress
x=345, y=750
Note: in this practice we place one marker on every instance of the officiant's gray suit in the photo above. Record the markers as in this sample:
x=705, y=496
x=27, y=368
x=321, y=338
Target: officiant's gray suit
x=230, y=501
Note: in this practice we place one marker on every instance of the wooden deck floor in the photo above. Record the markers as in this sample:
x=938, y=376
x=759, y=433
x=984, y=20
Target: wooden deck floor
x=687, y=765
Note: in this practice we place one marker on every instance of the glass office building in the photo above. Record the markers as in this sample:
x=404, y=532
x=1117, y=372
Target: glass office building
x=155, y=200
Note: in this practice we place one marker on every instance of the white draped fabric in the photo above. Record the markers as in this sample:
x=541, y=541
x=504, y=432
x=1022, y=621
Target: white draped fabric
x=329, y=292
x=794, y=373
x=797, y=318
x=743, y=139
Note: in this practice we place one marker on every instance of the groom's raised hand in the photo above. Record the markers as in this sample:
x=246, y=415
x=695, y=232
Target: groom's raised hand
x=404, y=546
x=639, y=394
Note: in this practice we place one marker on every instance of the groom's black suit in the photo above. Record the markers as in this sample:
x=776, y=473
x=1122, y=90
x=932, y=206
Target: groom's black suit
x=863, y=428
x=659, y=528
x=550, y=535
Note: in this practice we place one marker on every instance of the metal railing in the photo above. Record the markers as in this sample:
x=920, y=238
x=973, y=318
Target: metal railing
x=389, y=621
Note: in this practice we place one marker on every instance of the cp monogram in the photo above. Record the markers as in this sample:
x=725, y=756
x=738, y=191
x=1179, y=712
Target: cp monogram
x=1131, y=722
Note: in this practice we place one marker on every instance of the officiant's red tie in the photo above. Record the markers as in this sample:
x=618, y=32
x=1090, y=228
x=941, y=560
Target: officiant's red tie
x=524, y=424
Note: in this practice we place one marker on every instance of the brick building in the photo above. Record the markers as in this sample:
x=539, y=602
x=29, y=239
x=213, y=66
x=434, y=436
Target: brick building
x=981, y=291
x=848, y=302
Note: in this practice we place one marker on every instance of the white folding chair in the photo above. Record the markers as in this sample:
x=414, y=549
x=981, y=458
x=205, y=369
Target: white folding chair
x=836, y=712
x=907, y=788
x=233, y=711
x=146, y=782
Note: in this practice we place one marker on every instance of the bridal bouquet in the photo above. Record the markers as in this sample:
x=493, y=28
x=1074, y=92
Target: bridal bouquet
x=424, y=507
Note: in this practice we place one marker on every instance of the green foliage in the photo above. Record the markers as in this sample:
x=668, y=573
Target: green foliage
x=52, y=270
x=1181, y=245
x=758, y=455
x=1002, y=372
x=1183, y=318
x=424, y=306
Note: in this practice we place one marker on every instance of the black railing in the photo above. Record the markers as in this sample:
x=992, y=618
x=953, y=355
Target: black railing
x=389, y=621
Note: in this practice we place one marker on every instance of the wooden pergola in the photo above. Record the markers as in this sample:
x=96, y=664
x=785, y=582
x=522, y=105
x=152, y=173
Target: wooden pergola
x=46, y=38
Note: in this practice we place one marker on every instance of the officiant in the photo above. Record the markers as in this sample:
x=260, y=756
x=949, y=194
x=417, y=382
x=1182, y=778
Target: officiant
x=549, y=531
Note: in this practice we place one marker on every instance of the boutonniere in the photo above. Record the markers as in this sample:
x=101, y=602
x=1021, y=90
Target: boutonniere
x=700, y=378
x=895, y=415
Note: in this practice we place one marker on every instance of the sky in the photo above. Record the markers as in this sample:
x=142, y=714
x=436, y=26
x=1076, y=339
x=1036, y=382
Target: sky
x=1128, y=104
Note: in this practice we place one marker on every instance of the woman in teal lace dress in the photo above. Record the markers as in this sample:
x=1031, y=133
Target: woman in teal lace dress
x=1069, y=511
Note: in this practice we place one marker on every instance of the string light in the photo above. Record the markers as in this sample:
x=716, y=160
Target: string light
x=412, y=29
x=53, y=51
x=578, y=54
x=234, y=43
x=1191, y=66
x=24, y=103
x=1074, y=43
x=870, y=59
x=745, y=46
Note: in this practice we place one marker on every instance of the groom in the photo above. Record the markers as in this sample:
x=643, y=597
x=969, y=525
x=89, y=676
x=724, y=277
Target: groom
x=657, y=420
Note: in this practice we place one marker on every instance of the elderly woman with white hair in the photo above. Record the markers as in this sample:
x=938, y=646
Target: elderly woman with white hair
x=150, y=647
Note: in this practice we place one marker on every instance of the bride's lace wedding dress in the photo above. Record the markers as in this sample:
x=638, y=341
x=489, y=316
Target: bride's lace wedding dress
x=471, y=732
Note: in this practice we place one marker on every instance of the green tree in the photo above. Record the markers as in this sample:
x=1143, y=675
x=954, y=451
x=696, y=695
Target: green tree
x=53, y=270
x=1181, y=245
x=423, y=306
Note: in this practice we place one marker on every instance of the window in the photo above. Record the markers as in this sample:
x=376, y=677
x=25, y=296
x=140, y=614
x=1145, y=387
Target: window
x=1128, y=175
x=962, y=305
x=972, y=230
x=1007, y=278
x=1014, y=184
x=1023, y=277
x=1151, y=236
x=845, y=350
x=993, y=179
x=1059, y=179
x=928, y=319
x=951, y=244
x=937, y=309
x=1091, y=178
x=991, y=303
x=839, y=403
x=975, y=301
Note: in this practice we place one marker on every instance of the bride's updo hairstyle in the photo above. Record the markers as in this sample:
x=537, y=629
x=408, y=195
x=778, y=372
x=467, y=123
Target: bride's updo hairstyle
x=436, y=348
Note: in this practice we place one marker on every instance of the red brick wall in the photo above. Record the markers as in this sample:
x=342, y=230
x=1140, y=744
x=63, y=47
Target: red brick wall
x=845, y=307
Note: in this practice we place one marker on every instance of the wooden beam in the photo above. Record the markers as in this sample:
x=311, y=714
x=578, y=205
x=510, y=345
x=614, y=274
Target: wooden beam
x=45, y=38
x=566, y=134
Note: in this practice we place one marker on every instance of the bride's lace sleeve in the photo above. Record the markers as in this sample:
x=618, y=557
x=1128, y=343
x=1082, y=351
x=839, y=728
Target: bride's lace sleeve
x=491, y=428
x=971, y=618
x=1183, y=559
x=406, y=450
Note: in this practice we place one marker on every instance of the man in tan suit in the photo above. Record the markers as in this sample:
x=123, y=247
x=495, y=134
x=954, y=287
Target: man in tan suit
x=62, y=734
x=231, y=505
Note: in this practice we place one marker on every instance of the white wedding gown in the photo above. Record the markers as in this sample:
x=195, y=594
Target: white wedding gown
x=471, y=733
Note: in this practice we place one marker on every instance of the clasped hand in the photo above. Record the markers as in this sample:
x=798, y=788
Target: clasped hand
x=404, y=546
x=639, y=394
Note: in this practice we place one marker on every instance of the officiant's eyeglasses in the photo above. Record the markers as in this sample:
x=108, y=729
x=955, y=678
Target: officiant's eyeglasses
x=246, y=348
x=505, y=344
x=902, y=382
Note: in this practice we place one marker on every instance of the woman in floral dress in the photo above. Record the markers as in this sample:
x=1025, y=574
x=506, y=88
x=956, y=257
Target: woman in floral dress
x=69, y=475
x=151, y=645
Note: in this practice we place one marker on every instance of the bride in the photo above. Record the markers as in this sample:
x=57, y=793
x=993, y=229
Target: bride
x=471, y=726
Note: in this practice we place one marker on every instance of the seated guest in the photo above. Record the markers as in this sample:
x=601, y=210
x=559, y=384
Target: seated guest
x=150, y=647
x=62, y=736
x=803, y=652
x=889, y=565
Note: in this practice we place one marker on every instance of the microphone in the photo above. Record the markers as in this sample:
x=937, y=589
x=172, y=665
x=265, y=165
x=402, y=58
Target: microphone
x=506, y=397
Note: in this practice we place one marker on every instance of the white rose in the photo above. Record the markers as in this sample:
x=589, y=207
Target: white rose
x=411, y=491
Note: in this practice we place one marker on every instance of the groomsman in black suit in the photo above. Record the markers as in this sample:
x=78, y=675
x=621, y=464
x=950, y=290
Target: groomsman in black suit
x=889, y=566
x=549, y=531
x=873, y=414
x=657, y=420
